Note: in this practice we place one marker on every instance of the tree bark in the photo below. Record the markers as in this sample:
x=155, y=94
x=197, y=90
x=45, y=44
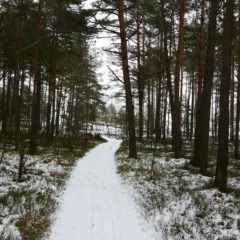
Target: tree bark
x=34, y=120
x=54, y=86
x=127, y=83
x=17, y=70
x=200, y=157
x=223, y=130
x=236, y=151
x=19, y=110
x=159, y=89
x=201, y=58
x=176, y=121
x=140, y=80
x=3, y=103
x=232, y=100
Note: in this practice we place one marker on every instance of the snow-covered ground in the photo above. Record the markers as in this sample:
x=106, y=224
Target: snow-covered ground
x=95, y=205
x=176, y=200
x=105, y=129
x=30, y=201
x=26, y=206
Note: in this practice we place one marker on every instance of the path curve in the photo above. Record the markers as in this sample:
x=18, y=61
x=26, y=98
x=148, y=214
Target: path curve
x=95, y=205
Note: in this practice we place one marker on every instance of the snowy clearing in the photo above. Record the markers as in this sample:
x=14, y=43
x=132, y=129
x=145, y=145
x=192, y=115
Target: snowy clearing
x=95, y=205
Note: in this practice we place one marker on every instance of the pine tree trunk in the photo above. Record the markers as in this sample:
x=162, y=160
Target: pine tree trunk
x=176, y=121
x=201, y=58
x=236, y=151
x=139, y=79
x=200, y=157
x=187, y=111
x=127, y=83
x=7, y=107
x=19, y=109
x=152, y=107
x=29, y=102
x=165, y=115
x=232, y=100
x=158, y=92
x=59, y=99
x=167, y=66
x=193, y=95
x=3, y=102
x=223, y=132
x=34, y=121
x=15, y=102
x=49, y=106
x=54, y=86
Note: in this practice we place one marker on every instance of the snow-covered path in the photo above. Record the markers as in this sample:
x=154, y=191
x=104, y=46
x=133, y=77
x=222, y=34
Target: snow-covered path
x=95, y=205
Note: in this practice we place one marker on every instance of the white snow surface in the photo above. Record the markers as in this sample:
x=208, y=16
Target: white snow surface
x=95, y=205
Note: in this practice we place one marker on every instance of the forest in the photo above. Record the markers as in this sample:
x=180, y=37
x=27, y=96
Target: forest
x=170, y=131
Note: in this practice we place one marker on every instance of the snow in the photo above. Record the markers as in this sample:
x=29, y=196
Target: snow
x=95, y=205
x=179, y=203
x=32, y=196
x=103, y=128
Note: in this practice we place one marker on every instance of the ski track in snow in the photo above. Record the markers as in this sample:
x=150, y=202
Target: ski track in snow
x=95, y=205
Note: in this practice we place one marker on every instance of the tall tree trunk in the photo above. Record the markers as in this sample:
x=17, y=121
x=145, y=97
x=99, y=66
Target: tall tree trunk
x=223, y=130
x=187, y=110
x=200, y=157
x=49, y=106
x=201, y=58
x=236, y=152
x=149, y=105
x=152, y=108
x=7, y=107
x=165, y=115
x=54, y=86
x=14, y=120
x=29, y=102
x=127, y=83
x=181, y=88
x=59, y=99
x=176, y=121
x=159, y=89
x=167, y=60
x=232, y=90
x=34, y=120
x=193, y=94
x=140, y=80
x=148, y=108
x=3, y=102
x=19, y=109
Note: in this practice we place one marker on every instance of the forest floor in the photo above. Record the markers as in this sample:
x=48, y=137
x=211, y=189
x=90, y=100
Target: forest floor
x=171, y=202
x=95, y=205
x=27, y=205
x=178, y=201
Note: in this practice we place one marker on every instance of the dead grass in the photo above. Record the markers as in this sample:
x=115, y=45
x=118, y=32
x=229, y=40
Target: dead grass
x=32, y=226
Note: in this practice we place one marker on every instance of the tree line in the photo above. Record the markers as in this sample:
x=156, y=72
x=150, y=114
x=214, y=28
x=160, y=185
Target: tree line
x=49, y=88
x=181, y=73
